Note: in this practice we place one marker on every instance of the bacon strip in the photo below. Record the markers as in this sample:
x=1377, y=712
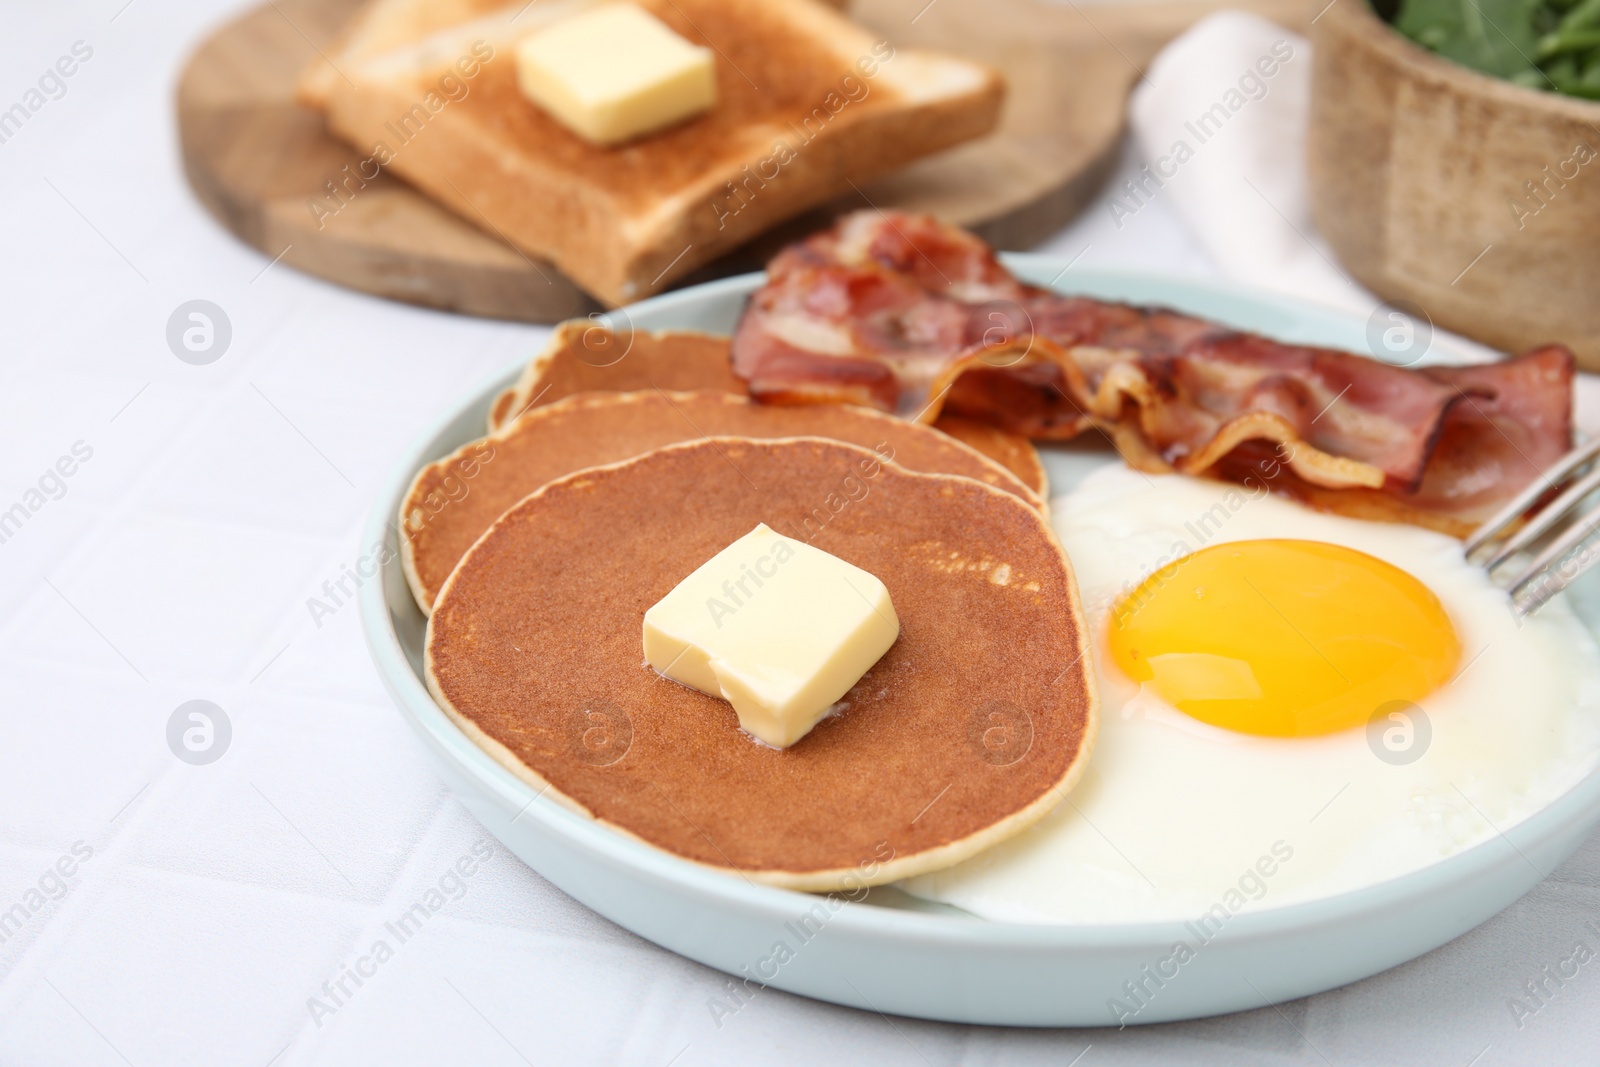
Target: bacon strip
x=908, y=315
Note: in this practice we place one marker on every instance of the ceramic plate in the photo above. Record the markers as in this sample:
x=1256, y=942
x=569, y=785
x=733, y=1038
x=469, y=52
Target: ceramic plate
x=889, y=952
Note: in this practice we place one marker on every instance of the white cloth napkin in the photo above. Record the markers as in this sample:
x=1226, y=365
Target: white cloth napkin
x=1220, y=119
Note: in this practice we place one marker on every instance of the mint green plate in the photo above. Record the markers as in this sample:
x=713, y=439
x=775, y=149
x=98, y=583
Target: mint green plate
x=889, y=952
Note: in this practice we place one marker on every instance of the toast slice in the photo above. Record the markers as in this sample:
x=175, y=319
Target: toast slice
x=809, y=106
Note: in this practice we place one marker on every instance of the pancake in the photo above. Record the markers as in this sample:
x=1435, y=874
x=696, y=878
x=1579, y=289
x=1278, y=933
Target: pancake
x=1012, y=451
x=584, y=357
x=971, y=727
x=454, y=499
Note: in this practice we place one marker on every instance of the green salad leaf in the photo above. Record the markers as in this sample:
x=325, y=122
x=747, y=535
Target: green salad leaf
x=1553, y=45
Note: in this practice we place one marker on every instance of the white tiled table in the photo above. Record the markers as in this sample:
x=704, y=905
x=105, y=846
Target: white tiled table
x=176, y=563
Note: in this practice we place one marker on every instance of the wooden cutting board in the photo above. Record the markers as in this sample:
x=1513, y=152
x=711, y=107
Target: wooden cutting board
x=256, y=159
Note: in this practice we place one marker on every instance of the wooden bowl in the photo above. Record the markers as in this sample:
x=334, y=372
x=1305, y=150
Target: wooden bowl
x=1475, y=199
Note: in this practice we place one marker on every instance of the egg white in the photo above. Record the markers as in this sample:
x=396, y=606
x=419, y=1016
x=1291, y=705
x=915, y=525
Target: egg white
x=1172, y=812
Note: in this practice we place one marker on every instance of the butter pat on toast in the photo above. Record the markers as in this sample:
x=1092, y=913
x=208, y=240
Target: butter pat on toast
x=807, y=103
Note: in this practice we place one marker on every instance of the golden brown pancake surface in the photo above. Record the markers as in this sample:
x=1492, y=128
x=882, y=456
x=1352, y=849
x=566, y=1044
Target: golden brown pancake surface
x=1011, y=450
x=587, y=356
x=455, y=499
x=583, y=356
x=972, y=726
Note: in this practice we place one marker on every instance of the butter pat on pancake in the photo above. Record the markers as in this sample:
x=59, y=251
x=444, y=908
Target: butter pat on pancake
x=778, y=628
x=447, y=509
x=971, y=727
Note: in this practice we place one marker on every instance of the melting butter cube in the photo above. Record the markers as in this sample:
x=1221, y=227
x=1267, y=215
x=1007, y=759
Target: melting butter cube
x=614, y=72
x=779, y=629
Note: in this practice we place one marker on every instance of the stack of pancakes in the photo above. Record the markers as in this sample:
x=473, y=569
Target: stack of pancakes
x=618, y=464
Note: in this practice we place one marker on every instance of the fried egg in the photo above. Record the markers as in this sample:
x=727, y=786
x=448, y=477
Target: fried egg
x=1294, y=705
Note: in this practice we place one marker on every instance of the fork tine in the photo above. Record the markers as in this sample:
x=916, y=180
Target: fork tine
x=1525, y=602
x=1496, y=526
x=1547, y=517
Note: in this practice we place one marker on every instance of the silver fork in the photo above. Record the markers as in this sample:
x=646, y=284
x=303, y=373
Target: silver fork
x=1559, y=562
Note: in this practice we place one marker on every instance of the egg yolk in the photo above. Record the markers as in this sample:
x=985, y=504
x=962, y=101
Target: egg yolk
x=1283, y=638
